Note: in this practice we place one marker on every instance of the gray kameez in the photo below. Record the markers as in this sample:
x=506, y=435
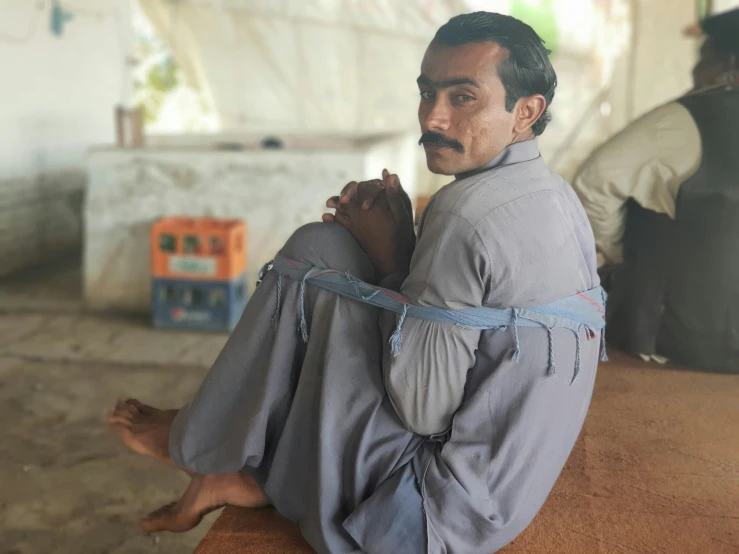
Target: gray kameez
x=324, y=426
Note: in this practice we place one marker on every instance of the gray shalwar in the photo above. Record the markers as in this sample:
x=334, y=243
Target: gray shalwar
x=450, y=447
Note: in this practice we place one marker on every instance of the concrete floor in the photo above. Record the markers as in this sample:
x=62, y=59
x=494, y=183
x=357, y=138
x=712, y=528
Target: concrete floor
x=66, y=485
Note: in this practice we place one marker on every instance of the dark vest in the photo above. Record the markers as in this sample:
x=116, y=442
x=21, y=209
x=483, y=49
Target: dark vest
x=677, y=292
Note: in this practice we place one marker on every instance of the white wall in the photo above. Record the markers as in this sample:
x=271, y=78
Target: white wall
x=56, y=100
x=719, y=6
x=654, y=68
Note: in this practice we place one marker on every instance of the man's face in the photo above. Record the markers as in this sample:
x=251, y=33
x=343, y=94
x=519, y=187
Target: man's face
x=713, y=63
x=462, y=111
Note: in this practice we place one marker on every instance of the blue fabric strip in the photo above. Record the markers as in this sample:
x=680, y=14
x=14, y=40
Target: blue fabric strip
x=585, y=309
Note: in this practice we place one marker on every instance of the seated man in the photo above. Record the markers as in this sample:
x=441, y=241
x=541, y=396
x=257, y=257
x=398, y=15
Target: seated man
x=452, y=440
x=661, y=197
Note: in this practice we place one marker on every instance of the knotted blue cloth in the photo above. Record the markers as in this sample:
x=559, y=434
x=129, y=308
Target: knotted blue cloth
x=585, y=310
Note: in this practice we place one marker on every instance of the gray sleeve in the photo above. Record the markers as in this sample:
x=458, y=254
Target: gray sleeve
x=425, y=382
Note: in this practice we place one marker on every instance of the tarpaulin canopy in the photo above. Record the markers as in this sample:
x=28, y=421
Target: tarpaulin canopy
x=313, y=65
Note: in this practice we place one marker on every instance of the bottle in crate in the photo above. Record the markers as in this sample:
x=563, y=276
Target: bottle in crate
x=198, y=273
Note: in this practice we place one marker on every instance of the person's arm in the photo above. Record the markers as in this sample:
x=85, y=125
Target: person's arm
x=647, y=161
x=425, y=382
x=448, y=269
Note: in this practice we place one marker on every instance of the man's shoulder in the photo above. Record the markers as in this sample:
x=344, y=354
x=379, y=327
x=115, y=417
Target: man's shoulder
x=674, y=108
x=647, y=127
x=667, y=134
x=477, y=197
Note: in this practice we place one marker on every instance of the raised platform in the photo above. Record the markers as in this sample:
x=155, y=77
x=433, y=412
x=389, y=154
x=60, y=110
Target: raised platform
x=274, y=191
x=656, y=469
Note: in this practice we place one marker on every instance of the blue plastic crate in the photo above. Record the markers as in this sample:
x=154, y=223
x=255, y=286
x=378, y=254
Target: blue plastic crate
x=205, y=305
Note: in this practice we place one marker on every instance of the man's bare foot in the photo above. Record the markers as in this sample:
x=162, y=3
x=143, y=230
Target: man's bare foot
x=204, y=494
x=143, y=429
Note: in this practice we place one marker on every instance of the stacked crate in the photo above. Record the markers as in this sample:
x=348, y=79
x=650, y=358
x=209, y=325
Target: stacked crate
x=198, y=273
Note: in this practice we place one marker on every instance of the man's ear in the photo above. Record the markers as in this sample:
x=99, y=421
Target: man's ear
x=528, y=111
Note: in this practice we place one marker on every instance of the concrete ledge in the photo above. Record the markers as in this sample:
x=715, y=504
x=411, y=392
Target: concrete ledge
x=275, y=192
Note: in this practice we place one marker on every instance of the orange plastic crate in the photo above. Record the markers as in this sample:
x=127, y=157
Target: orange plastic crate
x=198, y=248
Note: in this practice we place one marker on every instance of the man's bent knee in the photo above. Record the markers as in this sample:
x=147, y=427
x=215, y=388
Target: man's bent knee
x=331, y=246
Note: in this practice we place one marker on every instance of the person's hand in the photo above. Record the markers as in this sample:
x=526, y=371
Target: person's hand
x=384, y=229
x=365, y=193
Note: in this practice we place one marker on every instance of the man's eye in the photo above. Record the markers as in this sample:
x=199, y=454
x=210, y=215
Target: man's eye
x=427, y=94
x=464, y=98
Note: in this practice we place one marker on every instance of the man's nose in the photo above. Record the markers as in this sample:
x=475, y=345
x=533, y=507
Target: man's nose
x=436, y=117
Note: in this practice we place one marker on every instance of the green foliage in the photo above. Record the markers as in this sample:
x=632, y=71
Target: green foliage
x=159, y=80
x=702, y=7
x=163, y=77
x=540, y=15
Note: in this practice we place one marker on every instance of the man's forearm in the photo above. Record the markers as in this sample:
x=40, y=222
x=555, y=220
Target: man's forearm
x=425, y=382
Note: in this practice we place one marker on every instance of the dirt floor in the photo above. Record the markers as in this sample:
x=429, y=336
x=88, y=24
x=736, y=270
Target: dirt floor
x=66, y=485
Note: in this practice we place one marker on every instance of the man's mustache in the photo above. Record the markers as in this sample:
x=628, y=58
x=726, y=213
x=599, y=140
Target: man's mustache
x=435, y=139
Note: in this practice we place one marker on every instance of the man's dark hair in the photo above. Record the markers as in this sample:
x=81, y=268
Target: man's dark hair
x=527, y=69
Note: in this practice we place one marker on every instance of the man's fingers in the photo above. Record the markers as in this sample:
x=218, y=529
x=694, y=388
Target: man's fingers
x=386, y=177
x=333, y=203
x=395, y=197
x=328, y=218
x=343, y=215
x=368, y=193
x=390, y=179
x=344, y=219
x=348, y=192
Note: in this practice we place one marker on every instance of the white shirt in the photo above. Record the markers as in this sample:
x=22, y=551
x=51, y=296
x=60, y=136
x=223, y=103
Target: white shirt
x=648, y=161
